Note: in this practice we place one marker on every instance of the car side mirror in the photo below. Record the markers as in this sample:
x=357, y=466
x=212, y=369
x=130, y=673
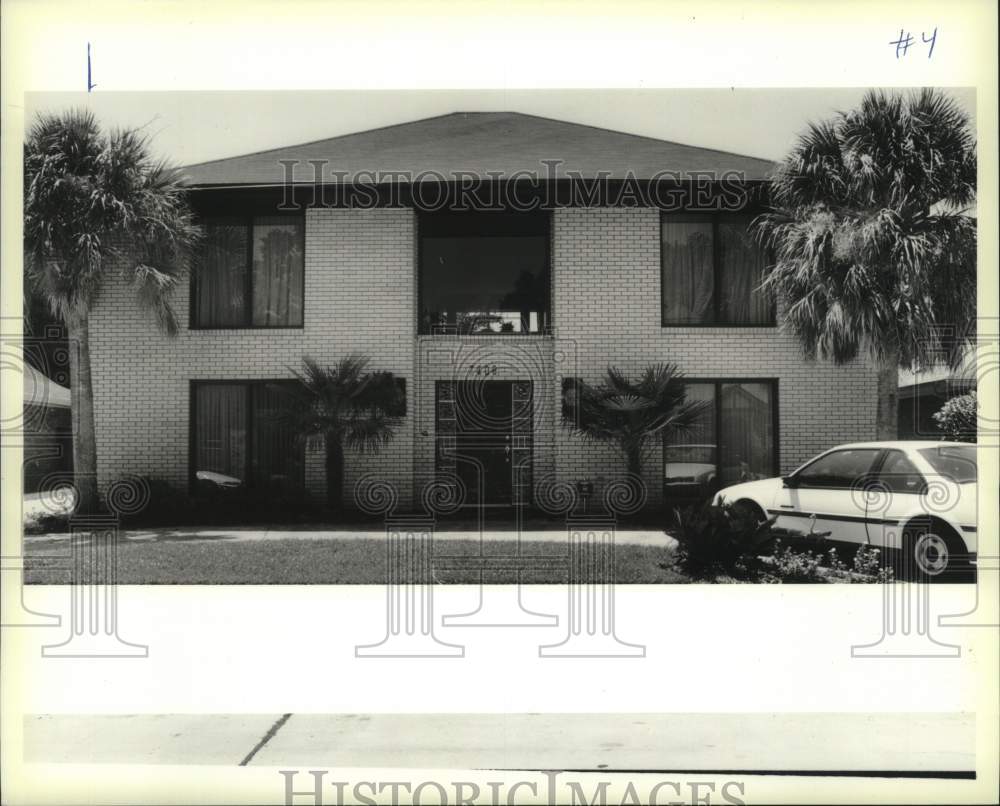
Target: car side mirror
x=789, y=482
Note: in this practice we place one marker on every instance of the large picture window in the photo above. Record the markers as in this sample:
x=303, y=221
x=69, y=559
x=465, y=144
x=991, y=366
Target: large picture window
x=710, y=272
x=484, y=272
x=249, y=273
x=735, y=439
x=242, y=435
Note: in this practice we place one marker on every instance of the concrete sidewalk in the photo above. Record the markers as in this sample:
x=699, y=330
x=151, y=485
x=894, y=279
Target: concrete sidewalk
x=661, y=742
x=249, y=534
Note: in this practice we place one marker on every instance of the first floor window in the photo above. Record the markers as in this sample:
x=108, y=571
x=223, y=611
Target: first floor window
x=243, y=435
x=734, y=439
x=249, y=273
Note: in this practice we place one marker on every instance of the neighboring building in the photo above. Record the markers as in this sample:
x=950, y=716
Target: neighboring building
x=482, y=313
x=922, y=394
x=48, y=443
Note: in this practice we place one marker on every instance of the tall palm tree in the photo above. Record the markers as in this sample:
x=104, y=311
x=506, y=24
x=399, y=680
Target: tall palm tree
x=350, y=408
x=94, y=201
x=872, y=237
x=630, y=414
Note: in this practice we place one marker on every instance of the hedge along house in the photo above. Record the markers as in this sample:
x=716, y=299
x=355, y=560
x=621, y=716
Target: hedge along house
x=483, y=258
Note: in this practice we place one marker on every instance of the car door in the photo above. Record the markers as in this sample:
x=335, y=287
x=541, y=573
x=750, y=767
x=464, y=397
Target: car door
x=895, y=497
x=827, y=495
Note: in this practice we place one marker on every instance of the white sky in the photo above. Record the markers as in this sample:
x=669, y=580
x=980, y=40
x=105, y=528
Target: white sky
x=191, y=127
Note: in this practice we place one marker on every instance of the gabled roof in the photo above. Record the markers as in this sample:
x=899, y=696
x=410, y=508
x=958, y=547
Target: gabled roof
x=480, y=143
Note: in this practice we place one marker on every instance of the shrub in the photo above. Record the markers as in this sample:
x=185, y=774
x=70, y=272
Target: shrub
x=957, y=418
x=719, y=540
x=866, y=567
x=789, y=565
x=725, y=542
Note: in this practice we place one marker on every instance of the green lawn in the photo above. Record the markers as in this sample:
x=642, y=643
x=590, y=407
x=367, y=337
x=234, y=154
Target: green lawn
x=323, y=561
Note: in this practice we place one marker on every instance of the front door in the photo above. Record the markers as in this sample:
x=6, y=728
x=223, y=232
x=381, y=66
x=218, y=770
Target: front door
x=484, y=438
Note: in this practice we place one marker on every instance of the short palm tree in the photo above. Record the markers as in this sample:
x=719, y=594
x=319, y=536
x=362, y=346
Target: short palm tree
x=348, y=407
x=872, y=237
x=94, y=203
x=631, y=415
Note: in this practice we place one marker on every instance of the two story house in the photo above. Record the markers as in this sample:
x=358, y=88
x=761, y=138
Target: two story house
x=483, y=258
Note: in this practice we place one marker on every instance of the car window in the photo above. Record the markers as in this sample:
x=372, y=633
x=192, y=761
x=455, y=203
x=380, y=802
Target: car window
x=956, y=462
x=900, y=475
x=840, y=469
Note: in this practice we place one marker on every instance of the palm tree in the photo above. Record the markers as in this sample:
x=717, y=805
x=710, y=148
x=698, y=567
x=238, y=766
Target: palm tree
x=873, y=243
x=96, y=202
x=349, y=408
x=630, y=414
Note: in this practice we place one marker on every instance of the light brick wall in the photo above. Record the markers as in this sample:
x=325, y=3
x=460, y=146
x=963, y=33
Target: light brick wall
x=607, y=306
x=360, y=295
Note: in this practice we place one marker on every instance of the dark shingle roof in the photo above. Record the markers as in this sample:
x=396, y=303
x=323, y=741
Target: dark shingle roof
x=479, y=142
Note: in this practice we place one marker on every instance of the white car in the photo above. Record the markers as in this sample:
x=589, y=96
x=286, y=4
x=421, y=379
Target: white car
x=913, y=497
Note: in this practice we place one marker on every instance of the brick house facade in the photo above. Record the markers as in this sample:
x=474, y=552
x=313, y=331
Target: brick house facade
x=361, y=292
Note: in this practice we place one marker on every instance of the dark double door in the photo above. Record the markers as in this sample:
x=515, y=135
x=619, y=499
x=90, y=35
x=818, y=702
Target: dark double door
x=484, y=438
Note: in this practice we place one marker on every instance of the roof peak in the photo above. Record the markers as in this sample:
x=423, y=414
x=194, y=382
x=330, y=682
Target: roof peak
x=461, y=138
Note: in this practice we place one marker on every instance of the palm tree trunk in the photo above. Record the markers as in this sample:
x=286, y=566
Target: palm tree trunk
x=82, y=412
x=334, y=474
x=887, y=414
x=633, y=461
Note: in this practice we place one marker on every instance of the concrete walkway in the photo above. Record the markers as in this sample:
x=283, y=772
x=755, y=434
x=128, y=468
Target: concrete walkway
x=59, y=502
x=929, y=742
x=247, y=534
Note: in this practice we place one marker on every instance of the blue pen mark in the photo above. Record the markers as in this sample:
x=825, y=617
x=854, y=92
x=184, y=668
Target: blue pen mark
x=932, y=40
x=90, y=83
x=906, y=41
x=903, y=43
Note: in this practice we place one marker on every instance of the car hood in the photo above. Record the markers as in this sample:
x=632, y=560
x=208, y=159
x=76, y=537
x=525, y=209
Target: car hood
x=763, y=491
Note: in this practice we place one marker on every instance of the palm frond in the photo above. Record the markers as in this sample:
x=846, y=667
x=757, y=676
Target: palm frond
x=91, y=199
x=873, y=250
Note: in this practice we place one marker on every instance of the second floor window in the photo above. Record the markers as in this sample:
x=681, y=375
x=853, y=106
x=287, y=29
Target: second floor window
x=484, y=272
x=249, y=273
x=711, y=270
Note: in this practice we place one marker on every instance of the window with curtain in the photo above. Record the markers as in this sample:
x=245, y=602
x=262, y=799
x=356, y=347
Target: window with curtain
x=733, y=441
x=249, y=273
x=244, y=431
x=711, y=271
x=689, y=456
x=746, y=432
x=688, y=259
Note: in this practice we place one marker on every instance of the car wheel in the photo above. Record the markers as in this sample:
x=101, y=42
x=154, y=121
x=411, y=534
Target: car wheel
x=749, y=509
x=933, y=554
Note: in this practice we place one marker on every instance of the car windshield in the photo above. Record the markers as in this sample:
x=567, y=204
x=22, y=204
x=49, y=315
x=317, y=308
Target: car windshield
x=957, y=463
x=694, y=454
